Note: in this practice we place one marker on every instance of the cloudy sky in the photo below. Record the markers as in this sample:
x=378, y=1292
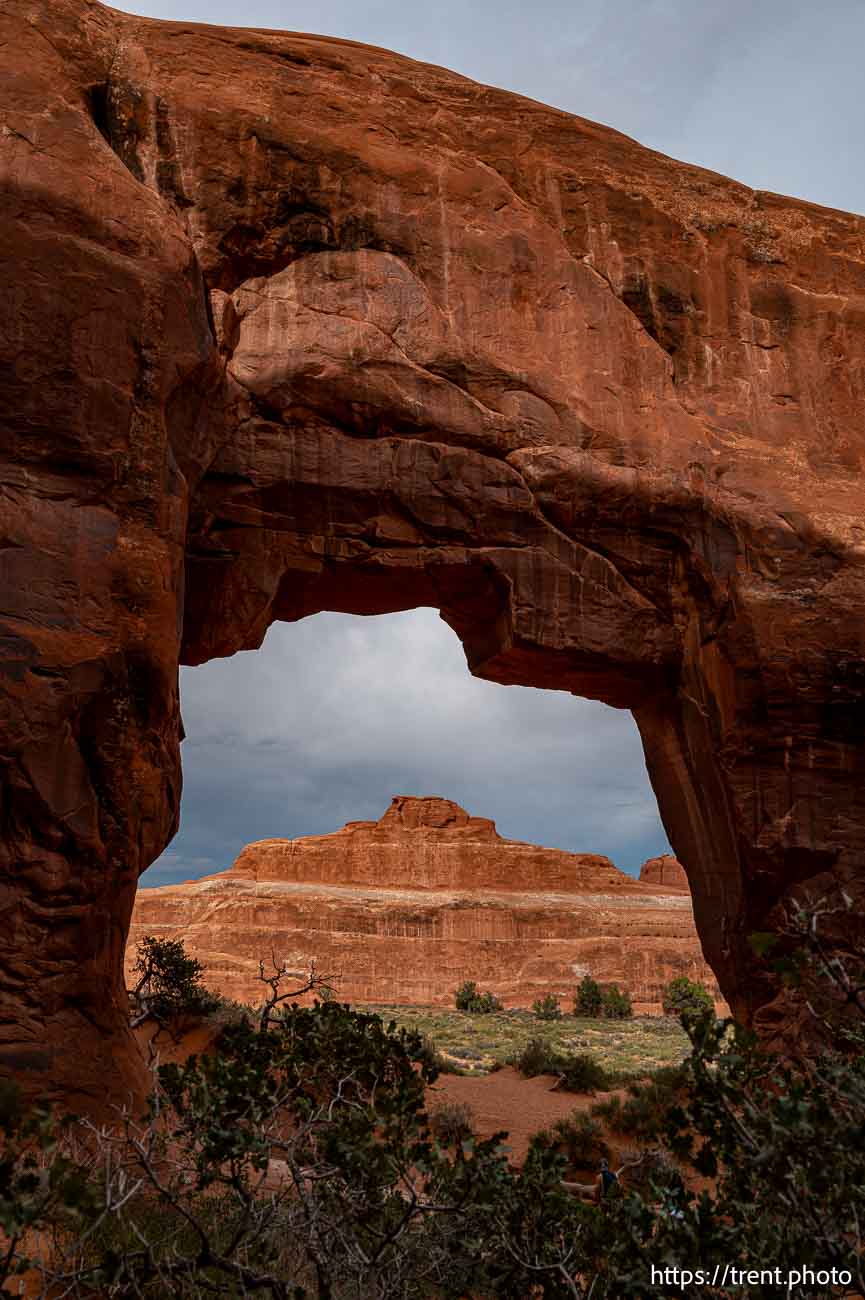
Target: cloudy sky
x=336, y=714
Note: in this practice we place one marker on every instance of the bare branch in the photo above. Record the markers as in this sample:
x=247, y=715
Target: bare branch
x=279, y=972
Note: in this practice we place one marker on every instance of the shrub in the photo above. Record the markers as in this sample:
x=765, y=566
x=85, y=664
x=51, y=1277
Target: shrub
x=39, y=1183
x=589, y=999
x=582, y=1073
x=447, y=1065
x=580, y=1138
x=610, y=1112
x=226, y=1011
x=685, y=997
x=644, y=1112
x=467, y=1053
x=468, y=997
x=373, y=1203
x=169, y=983
x=536, y=1057
x=452, y=1121
x=429, y=1054
x=465, y=995
x=616, y=1003
x=577, y=1073
x=547, y=1007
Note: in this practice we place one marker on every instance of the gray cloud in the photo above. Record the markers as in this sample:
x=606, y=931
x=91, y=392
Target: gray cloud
x=334, y=715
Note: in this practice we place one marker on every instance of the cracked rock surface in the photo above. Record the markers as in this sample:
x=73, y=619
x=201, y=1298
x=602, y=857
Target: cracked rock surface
x=294, y=324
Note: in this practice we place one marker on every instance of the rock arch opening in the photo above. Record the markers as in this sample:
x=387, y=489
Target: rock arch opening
x=523, y=871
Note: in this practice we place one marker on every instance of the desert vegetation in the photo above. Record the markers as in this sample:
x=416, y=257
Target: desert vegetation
x=589, y=998
x=299, y=1160
x=168, y=986
x=642, y=1113
x=547, y=1007
x=473, y=1043
x=607, y=1002
x=574, y=1071
x=683, y=996
x=468, y=997
x=580, y=1138
x=616, y=1003
x=295, y=1160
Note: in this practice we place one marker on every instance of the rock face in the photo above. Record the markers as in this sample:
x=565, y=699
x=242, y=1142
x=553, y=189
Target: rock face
x=293, y=324
x=664, y=870
x=406, y=908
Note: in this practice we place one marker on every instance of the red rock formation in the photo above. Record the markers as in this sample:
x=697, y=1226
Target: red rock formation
x=294, y=324
x=406, y=908
x=664, y=870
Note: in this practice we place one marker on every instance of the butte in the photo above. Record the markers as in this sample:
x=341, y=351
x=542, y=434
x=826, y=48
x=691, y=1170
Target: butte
x=404, y=909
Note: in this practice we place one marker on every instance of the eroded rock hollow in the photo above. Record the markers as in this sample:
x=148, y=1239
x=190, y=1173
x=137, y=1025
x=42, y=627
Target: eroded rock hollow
x=292, y=324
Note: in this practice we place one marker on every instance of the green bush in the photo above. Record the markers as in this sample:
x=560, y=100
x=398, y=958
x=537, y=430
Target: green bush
x=577, y=1073
x=582, y=1073
x=611, y=1002
x=616, y=1003
x=686, y=997
x=41, y=1184
x=536, y=1057
x=430, y=1055
x=782, y=1145
x=377, y=1197
x=547, y=1007
x=468, y=997
x=643, y=1114
x=589, y=998
x=580, y=1139
x=168, y=984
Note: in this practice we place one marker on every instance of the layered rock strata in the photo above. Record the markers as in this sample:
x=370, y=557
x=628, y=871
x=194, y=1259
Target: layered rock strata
x=294, y=324
x=406, y=908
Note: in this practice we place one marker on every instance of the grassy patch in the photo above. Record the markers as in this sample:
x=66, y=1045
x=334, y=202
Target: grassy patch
x=476, y=1044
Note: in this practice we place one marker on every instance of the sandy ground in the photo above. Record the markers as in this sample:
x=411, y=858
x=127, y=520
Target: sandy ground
x=505, y=1100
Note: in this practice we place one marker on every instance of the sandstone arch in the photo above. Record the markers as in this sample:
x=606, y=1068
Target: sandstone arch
x=294, y=324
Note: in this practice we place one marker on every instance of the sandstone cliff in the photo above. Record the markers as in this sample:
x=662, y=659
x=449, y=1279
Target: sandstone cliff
x=406, y=908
